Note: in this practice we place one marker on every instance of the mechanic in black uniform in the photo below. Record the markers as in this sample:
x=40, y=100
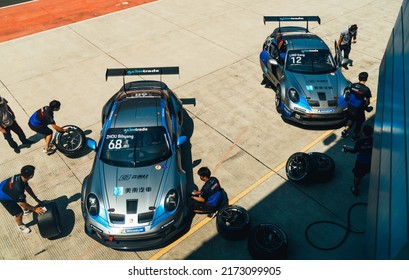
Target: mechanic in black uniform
x=210, y=196
x=363, y=160
x=8, y=123
x=13, y=198
x=40, y=120
x=358, y=100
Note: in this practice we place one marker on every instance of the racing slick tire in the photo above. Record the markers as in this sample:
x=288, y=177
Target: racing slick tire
x=70, y=142
x=324, y=167
x=233, y=222
x=267, y=242
x=278, y=99
x=49, y=223
x=300, y=167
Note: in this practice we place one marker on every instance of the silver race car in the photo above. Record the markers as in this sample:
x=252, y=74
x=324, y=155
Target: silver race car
x=135, y=195
x=308, y=82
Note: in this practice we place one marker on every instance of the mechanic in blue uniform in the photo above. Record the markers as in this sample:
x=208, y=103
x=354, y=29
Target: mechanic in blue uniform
x=8, y=123
x=40, y=120
x=358, y=100
x=208, y=199
x=363, y=160
x=345, y=40
x=281, y=46
x=13, y=198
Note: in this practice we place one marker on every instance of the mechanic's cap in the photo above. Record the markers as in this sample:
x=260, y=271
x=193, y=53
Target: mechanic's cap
x=363, y=76
x=353, y=27
x=27, y=171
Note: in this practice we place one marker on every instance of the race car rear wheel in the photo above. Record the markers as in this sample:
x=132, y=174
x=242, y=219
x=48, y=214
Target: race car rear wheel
x=233, y=222
x=70, y=142
x=49, y=222
x=278, y=99
x=267, y=242
x=300, y=167
x=324, y=167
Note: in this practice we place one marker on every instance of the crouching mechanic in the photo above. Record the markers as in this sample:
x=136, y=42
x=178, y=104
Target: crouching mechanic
x=40, y=120
x=209, y=198
x=13, y=198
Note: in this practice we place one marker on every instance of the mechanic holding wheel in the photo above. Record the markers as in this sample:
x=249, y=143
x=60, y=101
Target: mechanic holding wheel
x=345, y=40
x=40, y=120
x=209, y=197
x=13, y=198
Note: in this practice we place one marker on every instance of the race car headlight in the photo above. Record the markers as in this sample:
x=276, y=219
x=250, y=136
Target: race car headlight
x=171, y=200
x=92, y=204
x=293, y=95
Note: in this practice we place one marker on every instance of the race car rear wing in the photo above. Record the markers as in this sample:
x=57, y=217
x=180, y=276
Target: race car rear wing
x=291, y=18
x=174, y=70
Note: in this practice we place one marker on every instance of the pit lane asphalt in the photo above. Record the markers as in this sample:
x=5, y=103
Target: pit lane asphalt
x=236, y=131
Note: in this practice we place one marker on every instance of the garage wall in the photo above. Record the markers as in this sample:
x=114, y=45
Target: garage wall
x=388, y=211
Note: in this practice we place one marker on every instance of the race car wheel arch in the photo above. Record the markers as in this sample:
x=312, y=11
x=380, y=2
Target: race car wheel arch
x=49, y=223
x=233, y=222
x=267, y=242
x=300, y=167
x=278, y=99
x=70, y=142
x=324, y=167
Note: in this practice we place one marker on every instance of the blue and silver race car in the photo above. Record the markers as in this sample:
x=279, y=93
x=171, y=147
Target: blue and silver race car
x=308, y=82
x=135, y=196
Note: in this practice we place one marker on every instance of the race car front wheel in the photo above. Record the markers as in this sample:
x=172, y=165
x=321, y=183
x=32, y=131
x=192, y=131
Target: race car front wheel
x=70, y=142
x=278, y=99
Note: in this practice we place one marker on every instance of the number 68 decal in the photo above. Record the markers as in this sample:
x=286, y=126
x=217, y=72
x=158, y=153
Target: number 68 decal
x=115, y=144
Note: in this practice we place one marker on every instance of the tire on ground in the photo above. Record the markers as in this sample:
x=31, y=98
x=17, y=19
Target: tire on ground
x=70, y=142
x=300, y=167
x=267, y=242
x=49, y=223
x=233, y=222
x=324, y=167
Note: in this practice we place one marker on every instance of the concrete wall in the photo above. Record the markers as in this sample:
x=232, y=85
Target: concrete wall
x=388, y=212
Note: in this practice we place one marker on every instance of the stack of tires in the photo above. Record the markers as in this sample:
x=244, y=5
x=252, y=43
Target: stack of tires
x=310, y=167
x=265, y=241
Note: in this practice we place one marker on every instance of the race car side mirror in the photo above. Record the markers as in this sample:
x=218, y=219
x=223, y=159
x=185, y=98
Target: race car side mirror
x=181, y=140
x=92, y=144
x=273, y=61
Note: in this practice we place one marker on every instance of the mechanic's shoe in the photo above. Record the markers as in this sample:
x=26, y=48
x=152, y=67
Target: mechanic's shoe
x=48, y=151
x=17, y=150
x=24, y=229
x=369, y=109
x=344, y=134
x=26, y=212
x=345, y=66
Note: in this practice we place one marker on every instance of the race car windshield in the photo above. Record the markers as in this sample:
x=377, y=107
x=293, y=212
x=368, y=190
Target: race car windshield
x=310, y=61
x=135, y=147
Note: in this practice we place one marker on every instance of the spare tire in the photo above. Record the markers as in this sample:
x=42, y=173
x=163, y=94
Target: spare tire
x=267, y=242
x=324, y=167
x=233, y=222
x=49, y=223
x=300, y=167
x=70, y=142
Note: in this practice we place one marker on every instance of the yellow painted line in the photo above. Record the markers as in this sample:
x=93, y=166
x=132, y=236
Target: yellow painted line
x=203, y=222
